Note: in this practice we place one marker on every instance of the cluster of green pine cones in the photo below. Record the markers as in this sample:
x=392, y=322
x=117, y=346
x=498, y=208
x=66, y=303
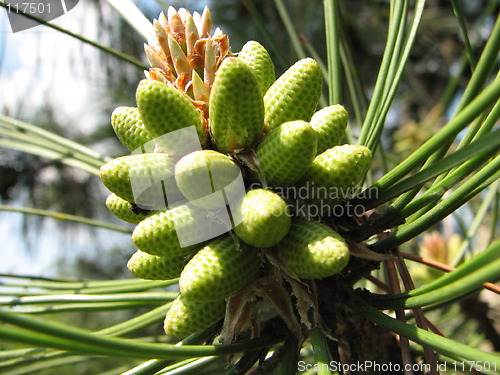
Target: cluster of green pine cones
x=251, y=127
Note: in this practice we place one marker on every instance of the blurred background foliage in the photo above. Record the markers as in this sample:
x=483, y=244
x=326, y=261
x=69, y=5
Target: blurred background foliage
x=433, y=81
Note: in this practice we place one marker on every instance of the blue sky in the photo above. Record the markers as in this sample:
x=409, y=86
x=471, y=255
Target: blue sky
x=7, y=60
x=42, y=65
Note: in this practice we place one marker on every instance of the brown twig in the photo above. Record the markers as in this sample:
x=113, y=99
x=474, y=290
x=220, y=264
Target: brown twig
x=421, y=322
x=433, y=328
x=378, y=283
x=400, y=315
x=444, y=267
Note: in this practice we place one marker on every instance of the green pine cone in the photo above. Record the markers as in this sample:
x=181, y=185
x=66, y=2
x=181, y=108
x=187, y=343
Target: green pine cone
x=236, y=107
x=257, y=58
x=265, y=218
x=204, y=172
x=185, y=318
x=138, y=178
x=219, y=270
x=167, y=232
x=153, y=267
x=164, y=109
x=313, y=250
x=286, y=153
x=129, y=128
x=335, y=173
x=125, y=210
x=330, y=124
x=294, y=95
